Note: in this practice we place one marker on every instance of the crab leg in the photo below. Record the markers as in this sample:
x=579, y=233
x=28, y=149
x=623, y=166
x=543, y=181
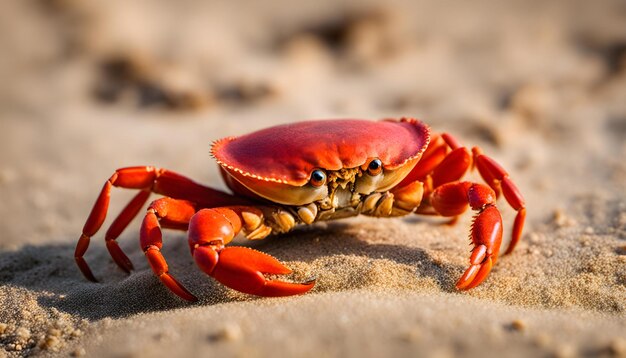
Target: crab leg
x=498, y=179
x=444, y=161
x=452, y=199
x=454, y=165
x=434, y=154
x=119, y=224
x=452, y=168
x=147, y=179
x=239, y=268
x=174, y=213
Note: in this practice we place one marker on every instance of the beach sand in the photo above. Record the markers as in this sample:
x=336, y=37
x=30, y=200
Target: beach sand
x=91, y=87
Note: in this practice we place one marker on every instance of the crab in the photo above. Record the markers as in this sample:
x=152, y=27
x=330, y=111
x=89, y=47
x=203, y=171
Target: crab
x=302, y=173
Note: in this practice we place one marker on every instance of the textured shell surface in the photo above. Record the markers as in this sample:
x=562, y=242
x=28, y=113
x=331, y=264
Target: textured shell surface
x=289, y=153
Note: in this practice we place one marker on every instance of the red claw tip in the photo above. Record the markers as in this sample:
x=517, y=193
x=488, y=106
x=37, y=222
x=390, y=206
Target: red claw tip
x=242, y=269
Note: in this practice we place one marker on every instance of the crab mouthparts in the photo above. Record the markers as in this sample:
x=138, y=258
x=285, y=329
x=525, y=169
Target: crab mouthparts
x=342, y=197
x=341, y=189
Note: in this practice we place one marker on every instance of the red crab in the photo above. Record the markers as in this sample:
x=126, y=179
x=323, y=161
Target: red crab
x=302, y=173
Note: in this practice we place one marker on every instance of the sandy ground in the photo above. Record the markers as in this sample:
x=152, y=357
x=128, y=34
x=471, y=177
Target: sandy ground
x=91, y=87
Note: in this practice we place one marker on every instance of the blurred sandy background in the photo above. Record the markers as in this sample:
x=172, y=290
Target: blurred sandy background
x=88, y=87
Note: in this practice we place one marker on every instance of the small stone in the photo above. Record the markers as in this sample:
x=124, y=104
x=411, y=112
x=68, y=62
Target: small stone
x=230, y=332
x=588, y=230
x=167, y=335
x=78, y=352
x=561, y=219
x=3, y=327
x=518, y=325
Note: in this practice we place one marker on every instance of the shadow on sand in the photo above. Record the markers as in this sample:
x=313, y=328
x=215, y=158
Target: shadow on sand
x=51, y=269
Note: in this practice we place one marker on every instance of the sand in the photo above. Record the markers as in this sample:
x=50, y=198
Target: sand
x=91, y=87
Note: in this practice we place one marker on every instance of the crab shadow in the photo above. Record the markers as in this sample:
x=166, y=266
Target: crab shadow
x=50, y=271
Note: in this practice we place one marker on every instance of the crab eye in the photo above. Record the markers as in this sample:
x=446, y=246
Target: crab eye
x=318, y=178
x=375, y=167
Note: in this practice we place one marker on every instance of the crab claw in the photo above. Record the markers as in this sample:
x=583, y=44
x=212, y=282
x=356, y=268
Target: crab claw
x=242, y=269
x=486, y=236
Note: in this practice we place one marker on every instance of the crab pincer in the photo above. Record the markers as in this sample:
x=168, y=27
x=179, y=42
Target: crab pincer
x=239, y=268
x=243, y=269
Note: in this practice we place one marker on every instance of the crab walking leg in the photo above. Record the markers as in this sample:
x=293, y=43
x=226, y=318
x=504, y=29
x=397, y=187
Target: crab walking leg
x=173, y=213
x=119, y=224
x=498, y=179
x=147, y=179
x=456, y=164
x=444, y=161
x=239, y=268
x=452, y=168
x=433, y=155
x=452, y=199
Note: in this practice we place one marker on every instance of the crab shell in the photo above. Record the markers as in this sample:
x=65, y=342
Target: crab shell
x=276, y=163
